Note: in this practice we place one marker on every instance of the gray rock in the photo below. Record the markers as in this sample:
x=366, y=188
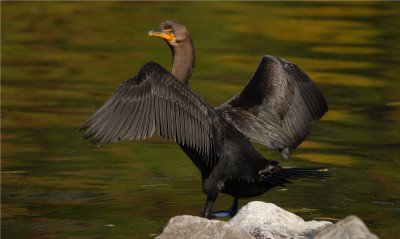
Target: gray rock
x=260, y=220
x=191, y=227
x=266, y=220
x=349, y=228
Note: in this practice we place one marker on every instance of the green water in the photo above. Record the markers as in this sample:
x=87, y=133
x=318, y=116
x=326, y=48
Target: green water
x=61, y=61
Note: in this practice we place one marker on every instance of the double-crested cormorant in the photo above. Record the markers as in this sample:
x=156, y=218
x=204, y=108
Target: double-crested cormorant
x=276, y=109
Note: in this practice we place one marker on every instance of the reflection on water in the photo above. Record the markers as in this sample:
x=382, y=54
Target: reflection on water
x=62, y=60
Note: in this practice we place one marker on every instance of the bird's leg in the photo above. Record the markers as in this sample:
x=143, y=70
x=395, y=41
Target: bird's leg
x=212, y=187
x=234, y=207
x=230, y=212
x=209, y=206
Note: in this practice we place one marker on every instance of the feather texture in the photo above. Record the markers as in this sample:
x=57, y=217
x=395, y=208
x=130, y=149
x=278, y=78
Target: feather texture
x=277, y=106
x=153, y=102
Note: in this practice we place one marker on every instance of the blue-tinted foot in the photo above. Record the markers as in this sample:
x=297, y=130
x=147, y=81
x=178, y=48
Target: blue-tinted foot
x=228, y=213
x=221, y=214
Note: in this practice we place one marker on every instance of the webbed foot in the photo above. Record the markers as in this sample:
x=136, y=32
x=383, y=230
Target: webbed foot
x=227, y=213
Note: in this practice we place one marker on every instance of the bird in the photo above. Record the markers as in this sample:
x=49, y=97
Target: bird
x=276, y=109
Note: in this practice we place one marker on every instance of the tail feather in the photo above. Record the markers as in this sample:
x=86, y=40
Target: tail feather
x=285, y=175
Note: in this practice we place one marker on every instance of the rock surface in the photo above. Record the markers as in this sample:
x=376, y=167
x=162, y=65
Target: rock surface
x=191, y=227
x=349, y=228
x=266, y=220
x=260, y=220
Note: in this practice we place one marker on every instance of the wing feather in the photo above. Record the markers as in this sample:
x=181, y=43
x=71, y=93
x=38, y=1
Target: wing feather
x=277, y=107
x=154, y=102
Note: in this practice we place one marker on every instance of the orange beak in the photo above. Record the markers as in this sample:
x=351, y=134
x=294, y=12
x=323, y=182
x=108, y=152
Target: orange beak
x=169, y=37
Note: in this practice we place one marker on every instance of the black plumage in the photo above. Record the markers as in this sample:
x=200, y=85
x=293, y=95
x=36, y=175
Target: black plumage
x=153, y=101
x=276, y=108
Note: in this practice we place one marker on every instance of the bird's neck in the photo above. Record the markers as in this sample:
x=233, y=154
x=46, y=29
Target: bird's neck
x=183, y=61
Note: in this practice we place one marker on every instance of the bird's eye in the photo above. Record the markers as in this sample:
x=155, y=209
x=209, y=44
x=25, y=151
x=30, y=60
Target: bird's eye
x=167, y=28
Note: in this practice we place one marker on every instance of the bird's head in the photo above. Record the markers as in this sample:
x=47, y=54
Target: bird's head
x=177, y=37
x=172, y=32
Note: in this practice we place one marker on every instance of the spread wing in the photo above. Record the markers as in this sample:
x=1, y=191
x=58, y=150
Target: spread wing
x=277, y=107
x=153, y=102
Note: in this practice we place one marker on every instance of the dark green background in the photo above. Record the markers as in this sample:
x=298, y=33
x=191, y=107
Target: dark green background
x=61, y=61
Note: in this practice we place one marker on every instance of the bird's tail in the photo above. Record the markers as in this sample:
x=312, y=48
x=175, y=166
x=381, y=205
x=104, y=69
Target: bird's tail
x=286, y=175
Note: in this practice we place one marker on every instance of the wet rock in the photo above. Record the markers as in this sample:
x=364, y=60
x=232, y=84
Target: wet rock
x=266, y=220
x=349, y=228
x=191, y=227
